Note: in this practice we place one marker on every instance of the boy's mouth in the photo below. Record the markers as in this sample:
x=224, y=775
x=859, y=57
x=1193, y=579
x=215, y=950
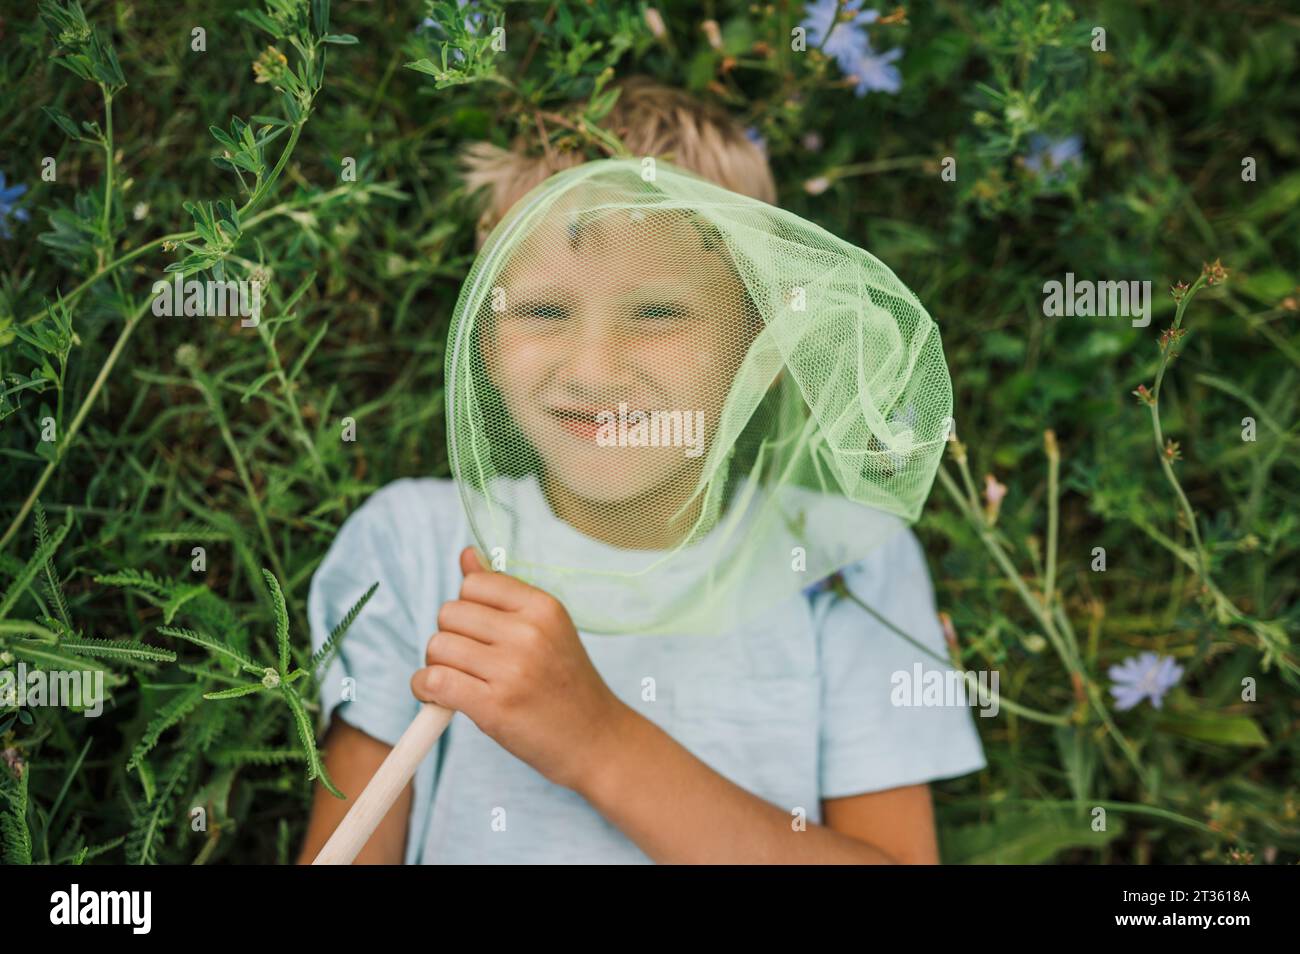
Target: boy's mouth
x=580, y=422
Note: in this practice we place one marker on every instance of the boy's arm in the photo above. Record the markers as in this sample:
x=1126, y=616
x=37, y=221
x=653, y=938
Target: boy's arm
x=899, y=821
x=351, y=758
x=678, y=810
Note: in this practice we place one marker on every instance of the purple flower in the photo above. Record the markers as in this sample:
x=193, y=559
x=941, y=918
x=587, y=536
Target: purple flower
x=1048, y=157
x=821, y=586
x=1146, y=676
x=875, y=73
x=824, y=585
x=9, y=206
x=850, y=47
x=845, y=41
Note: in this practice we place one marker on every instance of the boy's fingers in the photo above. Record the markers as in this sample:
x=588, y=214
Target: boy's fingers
x=470, y=563
x=460, y=652
x=497, y=589
x=475, y=620
x=449, y=687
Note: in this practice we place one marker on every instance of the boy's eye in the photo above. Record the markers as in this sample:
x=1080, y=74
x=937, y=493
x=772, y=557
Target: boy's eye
x=545, y=311
x=658, y=311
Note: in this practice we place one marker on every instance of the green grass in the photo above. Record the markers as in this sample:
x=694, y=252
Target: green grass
x=176, y=433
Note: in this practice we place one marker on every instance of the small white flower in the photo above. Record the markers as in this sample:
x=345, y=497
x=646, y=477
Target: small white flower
x=817, y=185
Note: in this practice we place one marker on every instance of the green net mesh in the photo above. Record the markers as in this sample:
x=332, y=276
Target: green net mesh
x=671, y=406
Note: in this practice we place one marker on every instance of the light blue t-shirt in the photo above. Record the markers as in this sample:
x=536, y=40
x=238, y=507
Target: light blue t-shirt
x=796, y=707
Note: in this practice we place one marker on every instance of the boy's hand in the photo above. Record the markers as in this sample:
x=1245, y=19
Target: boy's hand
x=507, y=655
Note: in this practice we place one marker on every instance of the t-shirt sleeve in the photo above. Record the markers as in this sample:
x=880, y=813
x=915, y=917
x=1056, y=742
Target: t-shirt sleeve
x=874, y=735
x=368, y=681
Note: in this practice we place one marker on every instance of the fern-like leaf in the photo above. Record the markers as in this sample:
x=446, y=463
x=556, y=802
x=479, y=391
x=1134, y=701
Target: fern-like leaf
x=256, y=756
x=212, y=614
x=53, y=588
x=15, y=837
x=141, y=580
x=181, y=596
x=166, y=717
x=45, y=656
x=214, y=646
x=86, y=852
x=190, y=530
x=235, y=691
x=33, y=566
x=210, y=723
x=281, y=618
x=307, y=737
x=119, y=648
x=147, y=828
x=327, y=649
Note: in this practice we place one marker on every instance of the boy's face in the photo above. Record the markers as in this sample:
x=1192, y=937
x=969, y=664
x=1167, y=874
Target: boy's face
x=616, y=314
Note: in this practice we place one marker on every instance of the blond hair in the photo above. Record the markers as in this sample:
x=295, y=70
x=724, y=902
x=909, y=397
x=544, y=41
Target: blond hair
x=651, y=120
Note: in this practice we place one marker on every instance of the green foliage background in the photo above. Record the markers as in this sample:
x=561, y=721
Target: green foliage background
x=173, y=433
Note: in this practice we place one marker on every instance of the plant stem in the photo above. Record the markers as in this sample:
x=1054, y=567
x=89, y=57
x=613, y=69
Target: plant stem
x=1272, y=639
x=115, y=264
x=1053, y=515
x=75, y=426
x=1067, y=650
x=107, y=250
x=1154, y=408
x=1034, y=715
x=241, y=467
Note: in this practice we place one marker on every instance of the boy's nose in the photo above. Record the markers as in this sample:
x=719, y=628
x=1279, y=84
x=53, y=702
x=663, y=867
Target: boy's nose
x=593, y=356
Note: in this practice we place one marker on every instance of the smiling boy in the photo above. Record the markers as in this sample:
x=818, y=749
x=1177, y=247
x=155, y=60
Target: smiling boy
x=776, y=742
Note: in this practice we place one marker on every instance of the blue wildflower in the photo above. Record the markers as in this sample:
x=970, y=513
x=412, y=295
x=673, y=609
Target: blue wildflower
x=812, y=589
x=9, y=206
x=754, y=136
x=850, y=47
x=1048, y=157
x=1147, y=676
x=846, y=42
x=876, y=74
x=824, y=585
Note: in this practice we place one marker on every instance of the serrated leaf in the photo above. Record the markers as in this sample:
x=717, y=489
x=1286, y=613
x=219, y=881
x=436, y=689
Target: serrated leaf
x=32, y=567
x=336, y=635
x=119, y=648
x=235, y=691
x=214, y=646
x=281, y=618
x=307, y=738
x=169, y=715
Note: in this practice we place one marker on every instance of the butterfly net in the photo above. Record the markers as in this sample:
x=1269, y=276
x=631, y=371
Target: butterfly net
x=672, y=406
